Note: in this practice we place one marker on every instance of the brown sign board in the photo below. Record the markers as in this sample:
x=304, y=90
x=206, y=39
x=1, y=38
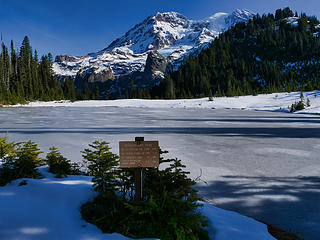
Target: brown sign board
x=142, y=154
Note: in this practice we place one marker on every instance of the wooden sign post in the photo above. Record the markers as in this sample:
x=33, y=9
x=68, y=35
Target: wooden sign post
x=137, y=155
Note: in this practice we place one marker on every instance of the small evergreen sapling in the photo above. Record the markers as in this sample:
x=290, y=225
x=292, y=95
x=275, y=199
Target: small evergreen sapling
x=27, y=160
x=19, y=161
x=102, y=165
x=58, y=164
x=7, y=155
x=107, y=209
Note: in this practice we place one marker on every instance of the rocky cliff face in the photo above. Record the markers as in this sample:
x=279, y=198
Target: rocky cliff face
x=156, y=66
x=144, y=52
x=101, y=76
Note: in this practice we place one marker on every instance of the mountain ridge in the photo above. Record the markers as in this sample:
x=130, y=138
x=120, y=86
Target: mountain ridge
x=170, y=33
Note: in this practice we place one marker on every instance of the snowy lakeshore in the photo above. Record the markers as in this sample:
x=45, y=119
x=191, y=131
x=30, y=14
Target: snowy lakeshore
x=278, y=102
x=262, y=164
x=49, y=209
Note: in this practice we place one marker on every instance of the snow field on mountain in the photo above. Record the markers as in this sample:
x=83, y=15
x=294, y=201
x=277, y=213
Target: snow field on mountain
x=277, y=102
x=49, y=209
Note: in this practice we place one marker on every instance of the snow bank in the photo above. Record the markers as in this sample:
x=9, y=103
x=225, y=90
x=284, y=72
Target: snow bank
x=229, y=225
x=49, y=208
x=264, y=102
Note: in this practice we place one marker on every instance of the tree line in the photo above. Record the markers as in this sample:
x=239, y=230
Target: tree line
x=24, y=77
x=269, y=53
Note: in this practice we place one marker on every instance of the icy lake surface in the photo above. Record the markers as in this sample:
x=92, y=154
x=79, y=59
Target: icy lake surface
x=262, y=164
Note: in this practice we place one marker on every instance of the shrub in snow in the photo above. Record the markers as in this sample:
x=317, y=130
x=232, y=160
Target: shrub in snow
x=19, y=161
x=169, y=209
x=297, y=106
x=58, y=164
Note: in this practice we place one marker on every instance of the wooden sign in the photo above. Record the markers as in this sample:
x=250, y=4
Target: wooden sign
x=139, y=154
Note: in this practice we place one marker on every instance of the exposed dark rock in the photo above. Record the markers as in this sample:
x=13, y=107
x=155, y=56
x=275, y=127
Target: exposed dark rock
x=155, y=64
x=91, y=77
x=67, y=58
x=102, y=76
x=154, y=71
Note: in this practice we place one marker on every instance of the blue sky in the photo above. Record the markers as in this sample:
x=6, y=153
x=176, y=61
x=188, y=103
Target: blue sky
x=78, y=27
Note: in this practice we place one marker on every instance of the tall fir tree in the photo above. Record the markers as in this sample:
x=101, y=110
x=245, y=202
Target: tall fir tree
x=24, y=78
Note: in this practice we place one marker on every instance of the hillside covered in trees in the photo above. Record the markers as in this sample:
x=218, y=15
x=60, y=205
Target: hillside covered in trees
x=23, y=77
x=270, y=53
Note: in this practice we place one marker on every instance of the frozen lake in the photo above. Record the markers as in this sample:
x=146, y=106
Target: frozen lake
x=262, y=164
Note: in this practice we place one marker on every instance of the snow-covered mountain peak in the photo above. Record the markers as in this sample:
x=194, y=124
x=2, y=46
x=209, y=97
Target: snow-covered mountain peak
x=243, y=14
x=171, y=17
x=240, y=15
x=221, y=21
x=165, y=29
x=153, y=33
x=170, y=33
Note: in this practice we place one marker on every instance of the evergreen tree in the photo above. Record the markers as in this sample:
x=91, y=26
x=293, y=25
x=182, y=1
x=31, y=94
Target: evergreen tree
x=58, y=164
x=170, y=90
x=133, y=92
x=95, y=94
x=24, y=78
x=102, y=164
x=86, y=92
x=107, y=96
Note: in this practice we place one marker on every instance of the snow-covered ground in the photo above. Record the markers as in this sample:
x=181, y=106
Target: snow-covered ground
x=264, y=102
x=263, y=164
x=49, y=209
